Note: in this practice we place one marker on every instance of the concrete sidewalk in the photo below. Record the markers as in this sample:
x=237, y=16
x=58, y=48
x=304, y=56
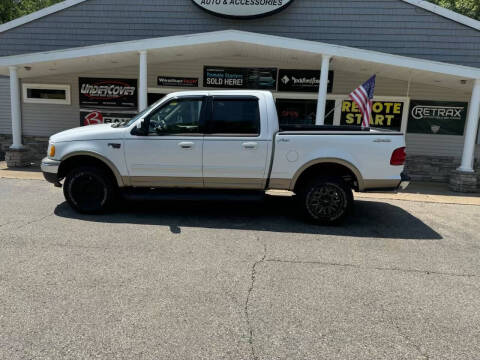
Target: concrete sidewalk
x=419, y=191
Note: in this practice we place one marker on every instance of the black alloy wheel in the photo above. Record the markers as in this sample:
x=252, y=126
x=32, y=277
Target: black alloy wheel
x=89, y=190
x=327, y=200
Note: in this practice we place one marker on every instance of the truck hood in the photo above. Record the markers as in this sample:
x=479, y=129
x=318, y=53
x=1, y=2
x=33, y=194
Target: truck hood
x=92, y=132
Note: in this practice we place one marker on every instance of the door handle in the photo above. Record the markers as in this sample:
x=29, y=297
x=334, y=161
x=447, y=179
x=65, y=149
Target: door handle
x=186, y=145
x=250, y=145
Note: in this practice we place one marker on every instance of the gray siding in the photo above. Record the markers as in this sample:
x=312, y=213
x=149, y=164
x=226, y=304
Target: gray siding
x=391, y=26
x=5, y=121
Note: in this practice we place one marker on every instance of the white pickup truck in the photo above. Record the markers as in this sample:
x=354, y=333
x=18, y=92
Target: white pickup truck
x=224, y=140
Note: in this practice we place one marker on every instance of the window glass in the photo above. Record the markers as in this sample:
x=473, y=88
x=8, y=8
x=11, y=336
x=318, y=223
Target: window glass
x=235, y=116
x=179, y=116
x=302, y=112
x=46, y=94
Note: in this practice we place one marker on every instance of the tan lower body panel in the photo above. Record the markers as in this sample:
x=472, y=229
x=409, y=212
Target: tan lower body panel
x=165, y=182
x=380, y=184
x=280, y=184
x=187, y=182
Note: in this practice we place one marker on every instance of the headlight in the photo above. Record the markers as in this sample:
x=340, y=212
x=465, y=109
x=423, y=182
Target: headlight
x=51, y=150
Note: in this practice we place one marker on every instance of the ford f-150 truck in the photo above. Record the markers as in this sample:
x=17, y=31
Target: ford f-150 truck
x=224, y=140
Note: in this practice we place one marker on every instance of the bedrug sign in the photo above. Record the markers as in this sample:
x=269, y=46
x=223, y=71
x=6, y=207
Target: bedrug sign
x=243, y=8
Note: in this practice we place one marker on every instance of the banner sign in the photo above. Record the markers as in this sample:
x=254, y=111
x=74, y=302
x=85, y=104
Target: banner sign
x=242, y=8
x=385, y=114
x=302, y=80
x=95, y=117
x=437, y=117
x=174, y=81
x=109, y=93
x=240, y=78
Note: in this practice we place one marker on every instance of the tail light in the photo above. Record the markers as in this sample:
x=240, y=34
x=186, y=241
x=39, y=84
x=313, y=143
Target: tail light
x=398, y=157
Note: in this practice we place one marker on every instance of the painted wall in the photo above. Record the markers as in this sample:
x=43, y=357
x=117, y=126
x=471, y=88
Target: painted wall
x=391, y=26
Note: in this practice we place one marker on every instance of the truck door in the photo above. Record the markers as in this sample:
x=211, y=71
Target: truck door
x=170, y=155
x=235, y=148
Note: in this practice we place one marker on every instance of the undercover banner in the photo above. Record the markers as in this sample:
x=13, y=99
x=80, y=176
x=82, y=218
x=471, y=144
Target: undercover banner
x=437, y=117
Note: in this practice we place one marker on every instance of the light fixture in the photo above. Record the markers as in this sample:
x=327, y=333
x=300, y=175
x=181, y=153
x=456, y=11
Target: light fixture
x=27, y=68
x=463, y=82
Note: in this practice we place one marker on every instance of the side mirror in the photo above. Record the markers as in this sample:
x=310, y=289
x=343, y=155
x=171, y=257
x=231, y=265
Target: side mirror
x=139, y=130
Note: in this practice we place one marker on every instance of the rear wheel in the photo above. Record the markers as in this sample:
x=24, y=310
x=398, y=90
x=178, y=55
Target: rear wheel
x=326, y=200
x=89, y=190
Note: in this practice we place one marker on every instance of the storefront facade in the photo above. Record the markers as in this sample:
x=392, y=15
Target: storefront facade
x=310, y=54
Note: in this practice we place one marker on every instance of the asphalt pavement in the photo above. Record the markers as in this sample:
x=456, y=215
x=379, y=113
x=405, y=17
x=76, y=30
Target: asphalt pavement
x=199, y=280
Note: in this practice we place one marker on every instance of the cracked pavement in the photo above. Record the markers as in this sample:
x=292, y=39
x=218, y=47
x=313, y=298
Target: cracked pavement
x=191, y=280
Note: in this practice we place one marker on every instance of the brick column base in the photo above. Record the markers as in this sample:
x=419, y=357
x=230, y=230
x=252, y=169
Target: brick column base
x=18, y=158
x=464, y=182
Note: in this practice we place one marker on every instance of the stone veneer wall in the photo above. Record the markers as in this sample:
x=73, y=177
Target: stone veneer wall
x=37, y=147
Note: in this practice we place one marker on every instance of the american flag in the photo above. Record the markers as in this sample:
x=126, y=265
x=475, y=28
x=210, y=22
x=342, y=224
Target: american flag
x=363, y=96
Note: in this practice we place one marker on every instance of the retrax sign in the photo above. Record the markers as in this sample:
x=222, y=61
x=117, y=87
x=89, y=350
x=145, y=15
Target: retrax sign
x=242, y=8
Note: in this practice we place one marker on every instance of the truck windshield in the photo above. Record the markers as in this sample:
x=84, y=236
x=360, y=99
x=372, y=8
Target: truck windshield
x=130, y=122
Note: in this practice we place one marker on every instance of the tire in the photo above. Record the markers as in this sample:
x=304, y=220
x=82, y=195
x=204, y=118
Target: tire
x=89, y=190
x=326, y=201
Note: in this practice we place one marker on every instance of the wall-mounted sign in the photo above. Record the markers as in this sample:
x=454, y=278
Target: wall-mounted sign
x=435, y=117
x=174, y=81
x=302, y=80
x=240, y=78
x=95, y=117
x=243, y=8
x=110, y=93
x=385, y=114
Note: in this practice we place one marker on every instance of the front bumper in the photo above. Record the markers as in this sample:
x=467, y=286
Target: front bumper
x=50, y=170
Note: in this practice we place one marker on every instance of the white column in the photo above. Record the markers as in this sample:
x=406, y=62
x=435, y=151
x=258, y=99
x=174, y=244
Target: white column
x=15, y=109
x=143, y=82
x=471, y=129
x=322, y=91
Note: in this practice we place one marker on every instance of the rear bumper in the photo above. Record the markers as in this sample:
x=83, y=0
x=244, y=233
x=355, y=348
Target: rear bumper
x=50, y=170
x=405, y=181
x=387, y=185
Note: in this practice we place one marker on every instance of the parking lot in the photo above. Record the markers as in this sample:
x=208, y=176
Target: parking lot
x=165, y=280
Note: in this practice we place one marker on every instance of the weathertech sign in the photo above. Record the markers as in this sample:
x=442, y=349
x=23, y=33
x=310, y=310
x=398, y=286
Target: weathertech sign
x=242, y=8
x=117, y=93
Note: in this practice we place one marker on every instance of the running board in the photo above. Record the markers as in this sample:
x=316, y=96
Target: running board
x=191, y=195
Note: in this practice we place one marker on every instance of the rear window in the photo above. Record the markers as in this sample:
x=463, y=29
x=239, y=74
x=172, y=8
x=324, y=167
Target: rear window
x=235, y=117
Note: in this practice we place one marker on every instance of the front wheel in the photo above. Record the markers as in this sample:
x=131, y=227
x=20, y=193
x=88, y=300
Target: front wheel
x=326, y=200
x=89, y=190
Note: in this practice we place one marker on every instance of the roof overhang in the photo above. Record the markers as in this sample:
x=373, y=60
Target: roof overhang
x=124, y=50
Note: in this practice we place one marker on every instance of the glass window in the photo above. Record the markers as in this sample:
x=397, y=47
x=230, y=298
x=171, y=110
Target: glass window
x=302, y=112
x=235, y=116
x=178, y=116
x=46, y=94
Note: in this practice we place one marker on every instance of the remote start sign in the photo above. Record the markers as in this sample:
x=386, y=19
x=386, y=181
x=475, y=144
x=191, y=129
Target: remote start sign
x=242, y=8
